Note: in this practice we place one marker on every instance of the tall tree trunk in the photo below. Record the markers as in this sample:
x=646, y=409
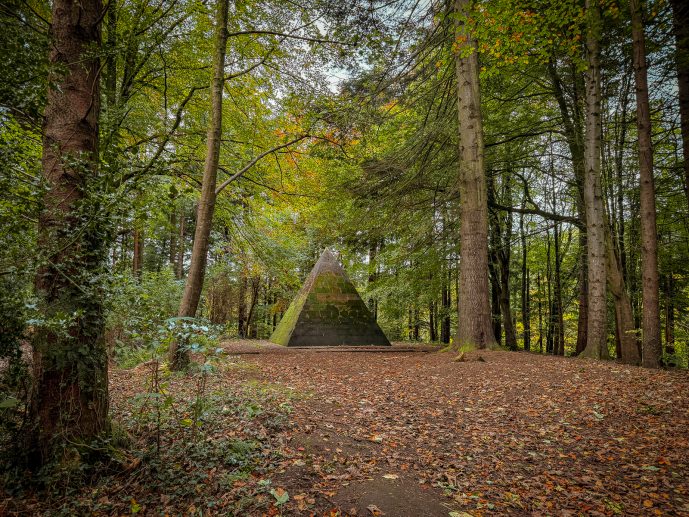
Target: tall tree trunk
x=549, y=339
x=447, y=307
x=625, y=326
x=624, y=317
x=650, y=344
x=179, y=357
x=596, y=343
x=505, y=304
x=680, y=12
x=505, y=257
x=575, y=141
x=540, y=313
x=179, y=267
x=559, y=330
x=474, y=321
x=494, y=266
x=417, y=329
x=372, y=250
x=172, y=255
x=670, y=321
x=138, y=261
x=69, y=401
x=410, y=326
x=525, y=302
x=251, y=330
x=583, y=319
x=619, y=170
x=432, y=336
x=242, y=317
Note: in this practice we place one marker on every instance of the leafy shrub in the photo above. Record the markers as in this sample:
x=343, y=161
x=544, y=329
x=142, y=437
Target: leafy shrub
x=136, y=310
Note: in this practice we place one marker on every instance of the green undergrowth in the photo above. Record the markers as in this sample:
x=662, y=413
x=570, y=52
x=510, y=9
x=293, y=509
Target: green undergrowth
x=196, y=443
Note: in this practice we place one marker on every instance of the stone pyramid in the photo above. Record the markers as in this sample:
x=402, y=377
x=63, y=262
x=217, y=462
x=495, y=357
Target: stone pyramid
x=328, y=311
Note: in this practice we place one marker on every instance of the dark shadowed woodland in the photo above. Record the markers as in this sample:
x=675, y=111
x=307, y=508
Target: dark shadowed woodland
x=369, y=258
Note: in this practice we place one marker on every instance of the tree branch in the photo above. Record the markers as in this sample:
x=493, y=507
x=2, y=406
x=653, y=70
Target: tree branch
x=253, y=162
x=292, y=36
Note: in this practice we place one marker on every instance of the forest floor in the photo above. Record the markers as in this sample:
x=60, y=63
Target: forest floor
x=402, y=433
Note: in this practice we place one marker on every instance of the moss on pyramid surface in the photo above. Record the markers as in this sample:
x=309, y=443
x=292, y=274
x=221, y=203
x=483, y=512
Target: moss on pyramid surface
x=328, y=311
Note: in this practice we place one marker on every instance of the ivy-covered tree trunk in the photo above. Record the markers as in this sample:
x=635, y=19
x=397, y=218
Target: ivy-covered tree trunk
x=474, y=318
x=650, y=345
x=597, y=333
x=69, y=403
x=204, y=214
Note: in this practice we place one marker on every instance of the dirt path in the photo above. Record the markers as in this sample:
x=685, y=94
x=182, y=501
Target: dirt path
x=412, y=434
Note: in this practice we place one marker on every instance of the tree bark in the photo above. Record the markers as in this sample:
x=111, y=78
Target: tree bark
x=446, y=304
x=650, y=344
x=625, y=326
x=596, y=342
x=494, y=264
x=69, y=400
x=179, y=357
x=680, y=15
x=172, y=256
x=474, y=322
x=670, y=359
x=138, y=260
x=583, y=319
x=540, y=313
x=558, y=320
x=504, y=255
x=571, y=119
x=433, y=321
x=241, y=305
x=526, y=309
x=549, y=337
x=372, y=275
x=417, y=328
x=179, y=267
x=251, y=330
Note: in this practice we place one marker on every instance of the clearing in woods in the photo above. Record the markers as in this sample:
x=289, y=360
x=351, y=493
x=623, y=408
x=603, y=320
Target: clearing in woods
x=411, y=434
x=395, y=433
